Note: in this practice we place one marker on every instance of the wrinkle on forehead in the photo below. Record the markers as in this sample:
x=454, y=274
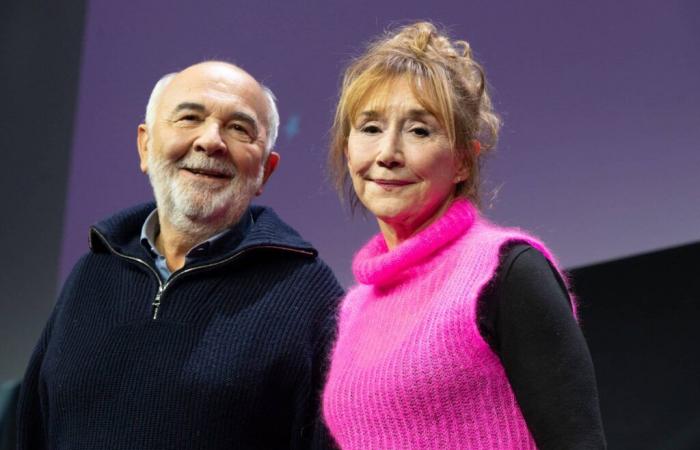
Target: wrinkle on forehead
x=381, y=99
x=219, y=81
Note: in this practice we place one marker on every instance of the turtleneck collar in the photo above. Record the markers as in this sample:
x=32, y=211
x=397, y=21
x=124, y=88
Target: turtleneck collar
x=376, y=264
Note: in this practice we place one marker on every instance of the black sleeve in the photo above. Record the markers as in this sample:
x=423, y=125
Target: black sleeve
x=314, y=434
x=31, y=411
x=32, y=405
x=322, y=439
x=526, y=317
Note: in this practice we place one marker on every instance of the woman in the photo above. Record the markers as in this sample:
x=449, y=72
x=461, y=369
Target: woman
x=459, y=333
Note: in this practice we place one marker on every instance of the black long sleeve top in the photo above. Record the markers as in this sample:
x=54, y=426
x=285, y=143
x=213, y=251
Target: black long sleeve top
x=525, y=315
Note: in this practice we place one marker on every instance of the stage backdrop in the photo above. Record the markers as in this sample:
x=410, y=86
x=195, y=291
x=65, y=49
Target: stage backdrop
x=599, y=152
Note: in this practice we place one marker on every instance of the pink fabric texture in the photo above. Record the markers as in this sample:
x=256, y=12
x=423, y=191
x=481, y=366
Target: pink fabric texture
x=410, y=369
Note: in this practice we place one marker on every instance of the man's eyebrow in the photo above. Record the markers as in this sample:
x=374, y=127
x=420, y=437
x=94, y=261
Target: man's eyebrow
x=189, y=105
x=247, y=118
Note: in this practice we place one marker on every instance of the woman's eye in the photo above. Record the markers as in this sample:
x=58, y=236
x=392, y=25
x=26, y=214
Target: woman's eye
x=420, y=132
x=370, y=129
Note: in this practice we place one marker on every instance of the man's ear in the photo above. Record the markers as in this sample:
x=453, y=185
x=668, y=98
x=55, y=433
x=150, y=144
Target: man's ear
x=270, y=165
x=142, y=144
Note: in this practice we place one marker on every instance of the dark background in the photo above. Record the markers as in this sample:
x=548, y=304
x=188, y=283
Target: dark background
x=640, y=317
x=599, y=155
x=40, y=47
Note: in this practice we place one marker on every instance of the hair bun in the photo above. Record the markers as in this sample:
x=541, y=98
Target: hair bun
x=424, y=34
x=466, y=49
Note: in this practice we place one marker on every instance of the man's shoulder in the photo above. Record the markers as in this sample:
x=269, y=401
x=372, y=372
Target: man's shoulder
x=120, y=229
x=115, y=231
x=269, y=229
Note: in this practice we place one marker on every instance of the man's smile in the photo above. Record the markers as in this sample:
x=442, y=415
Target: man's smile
x=208, y=173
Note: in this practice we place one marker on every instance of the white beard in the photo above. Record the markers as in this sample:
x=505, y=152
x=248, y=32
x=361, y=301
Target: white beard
x=195, y=208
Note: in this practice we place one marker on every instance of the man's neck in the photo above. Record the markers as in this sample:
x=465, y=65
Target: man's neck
x=173, y=244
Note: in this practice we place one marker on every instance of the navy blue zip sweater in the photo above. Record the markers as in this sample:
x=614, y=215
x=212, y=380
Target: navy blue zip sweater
x=235, y=358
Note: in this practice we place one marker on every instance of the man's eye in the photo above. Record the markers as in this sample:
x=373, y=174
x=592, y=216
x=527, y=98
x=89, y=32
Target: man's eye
x=189, y=118
x=238, y=128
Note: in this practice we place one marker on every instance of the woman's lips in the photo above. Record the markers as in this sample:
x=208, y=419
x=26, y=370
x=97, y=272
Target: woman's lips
x=389, y=184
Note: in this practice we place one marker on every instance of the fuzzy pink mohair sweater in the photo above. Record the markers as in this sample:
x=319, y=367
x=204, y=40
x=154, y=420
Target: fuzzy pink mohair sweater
x=410, y=369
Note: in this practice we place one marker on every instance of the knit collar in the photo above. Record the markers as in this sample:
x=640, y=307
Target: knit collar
x=122, y=233
x=376, y=264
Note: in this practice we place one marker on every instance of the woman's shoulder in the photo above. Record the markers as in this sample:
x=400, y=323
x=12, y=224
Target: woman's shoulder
x=521, y=260
x=353, y=301
x=526, y=284
x=507, y=237
x=524, y=268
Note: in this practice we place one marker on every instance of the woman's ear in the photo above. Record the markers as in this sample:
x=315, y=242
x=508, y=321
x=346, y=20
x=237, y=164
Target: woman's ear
x=465, y=161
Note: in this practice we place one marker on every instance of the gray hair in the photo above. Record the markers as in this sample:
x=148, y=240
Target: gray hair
x=273, y=118
x=155, y=98
x=273, y=115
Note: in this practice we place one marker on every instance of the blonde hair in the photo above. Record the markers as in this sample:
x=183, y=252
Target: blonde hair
x=445, y=79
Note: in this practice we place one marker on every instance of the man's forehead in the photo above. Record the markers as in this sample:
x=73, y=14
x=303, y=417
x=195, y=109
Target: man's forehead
x=217, y=82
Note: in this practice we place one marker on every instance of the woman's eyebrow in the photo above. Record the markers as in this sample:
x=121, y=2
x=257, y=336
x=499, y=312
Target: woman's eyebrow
x=416, y=113
x=370, y=114
x=419, y=114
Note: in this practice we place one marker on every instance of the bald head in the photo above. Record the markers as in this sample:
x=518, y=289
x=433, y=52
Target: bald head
x=224, y=77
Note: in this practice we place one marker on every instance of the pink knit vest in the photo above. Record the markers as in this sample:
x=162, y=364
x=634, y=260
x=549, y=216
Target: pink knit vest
x=410, y=369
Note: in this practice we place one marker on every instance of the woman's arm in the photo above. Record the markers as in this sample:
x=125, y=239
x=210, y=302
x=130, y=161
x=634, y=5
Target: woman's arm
x=526, y=316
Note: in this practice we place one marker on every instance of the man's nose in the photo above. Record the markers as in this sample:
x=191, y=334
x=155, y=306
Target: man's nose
x=210, y=140
x=391, y=150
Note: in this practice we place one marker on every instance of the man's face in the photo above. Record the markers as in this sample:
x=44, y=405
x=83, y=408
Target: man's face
x=205, y=151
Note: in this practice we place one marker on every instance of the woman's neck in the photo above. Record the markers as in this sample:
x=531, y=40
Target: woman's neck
x=397, y=230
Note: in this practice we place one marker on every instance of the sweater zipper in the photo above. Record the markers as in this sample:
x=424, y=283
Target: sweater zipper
x=163, y=286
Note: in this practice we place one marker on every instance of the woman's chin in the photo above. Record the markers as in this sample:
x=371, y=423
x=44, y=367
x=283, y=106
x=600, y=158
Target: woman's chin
x=389, y=210
x=406, y=218
x=402, y=221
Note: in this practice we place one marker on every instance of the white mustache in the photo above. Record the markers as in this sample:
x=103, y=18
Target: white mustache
x=205, y=163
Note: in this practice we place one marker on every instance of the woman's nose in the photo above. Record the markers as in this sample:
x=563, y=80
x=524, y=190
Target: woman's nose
x=391, y=151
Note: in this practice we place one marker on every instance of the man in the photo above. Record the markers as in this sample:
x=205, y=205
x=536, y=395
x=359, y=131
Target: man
x=202, y=323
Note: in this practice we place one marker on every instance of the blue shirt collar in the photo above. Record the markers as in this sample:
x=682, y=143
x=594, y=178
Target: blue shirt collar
x=226, y=239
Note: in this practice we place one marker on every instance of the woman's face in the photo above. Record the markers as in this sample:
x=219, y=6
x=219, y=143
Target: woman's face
x=400, y=161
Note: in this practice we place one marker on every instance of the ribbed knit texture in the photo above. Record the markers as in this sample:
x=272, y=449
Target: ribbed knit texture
x=410, y=369
x=235, y=359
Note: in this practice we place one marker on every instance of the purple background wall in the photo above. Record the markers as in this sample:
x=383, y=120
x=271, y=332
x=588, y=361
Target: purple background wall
x=599, y=153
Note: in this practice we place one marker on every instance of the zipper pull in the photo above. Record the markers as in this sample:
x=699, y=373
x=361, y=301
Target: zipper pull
x=156, y=302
